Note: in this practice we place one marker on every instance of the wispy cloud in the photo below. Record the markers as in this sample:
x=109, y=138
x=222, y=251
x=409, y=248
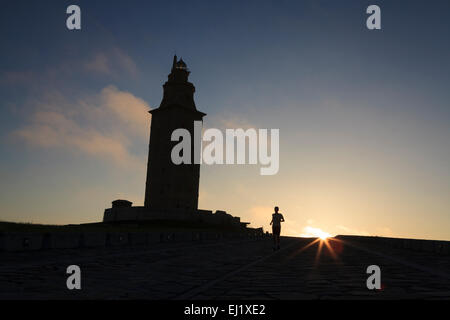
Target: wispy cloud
x=102, y=125
x=227, y=121
x=16, y=77
x=112, y=62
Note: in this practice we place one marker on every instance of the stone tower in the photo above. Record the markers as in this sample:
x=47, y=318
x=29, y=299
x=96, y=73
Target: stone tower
x=172, y=187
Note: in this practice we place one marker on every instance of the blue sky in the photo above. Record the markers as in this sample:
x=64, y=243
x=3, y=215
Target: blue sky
x=363, y=115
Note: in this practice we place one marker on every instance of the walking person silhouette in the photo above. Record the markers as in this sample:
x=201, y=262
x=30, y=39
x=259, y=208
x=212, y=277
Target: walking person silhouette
x=277, y=218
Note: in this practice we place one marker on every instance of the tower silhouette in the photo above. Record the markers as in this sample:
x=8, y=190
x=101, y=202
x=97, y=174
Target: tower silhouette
x=169, y=186
x=171, y=190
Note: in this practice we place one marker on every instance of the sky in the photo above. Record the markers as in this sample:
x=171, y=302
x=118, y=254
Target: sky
x=363, y=114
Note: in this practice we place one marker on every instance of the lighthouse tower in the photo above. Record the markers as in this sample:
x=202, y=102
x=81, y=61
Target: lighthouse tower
x=171, y=190
x=171, y=187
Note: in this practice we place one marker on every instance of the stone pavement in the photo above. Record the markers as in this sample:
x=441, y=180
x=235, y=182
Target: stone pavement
x=231, y=269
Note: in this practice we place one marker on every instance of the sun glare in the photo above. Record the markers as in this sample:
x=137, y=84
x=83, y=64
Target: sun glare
x=323, y=235
x=315, y=232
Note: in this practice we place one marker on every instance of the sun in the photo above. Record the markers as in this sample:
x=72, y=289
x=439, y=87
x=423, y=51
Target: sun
x=315, y=232
x=323, y=235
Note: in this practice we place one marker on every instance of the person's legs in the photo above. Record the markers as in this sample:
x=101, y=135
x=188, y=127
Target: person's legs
x=279, y=237
x=275, y=234
x=276, y=237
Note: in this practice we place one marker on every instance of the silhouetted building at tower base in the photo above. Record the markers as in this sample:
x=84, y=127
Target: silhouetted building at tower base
x=123, y=211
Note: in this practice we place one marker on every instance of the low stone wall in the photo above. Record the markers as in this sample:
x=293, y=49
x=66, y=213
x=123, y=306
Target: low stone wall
x=19, y=241
x=138, y=238
x=434, y=246
x=93, y=239
x=61, y=240
x=117, y=239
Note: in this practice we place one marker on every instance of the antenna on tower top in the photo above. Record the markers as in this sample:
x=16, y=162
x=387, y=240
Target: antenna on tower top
x=174, y=64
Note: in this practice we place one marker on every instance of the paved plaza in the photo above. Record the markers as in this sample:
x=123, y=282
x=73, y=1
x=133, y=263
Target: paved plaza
x=227, y=269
